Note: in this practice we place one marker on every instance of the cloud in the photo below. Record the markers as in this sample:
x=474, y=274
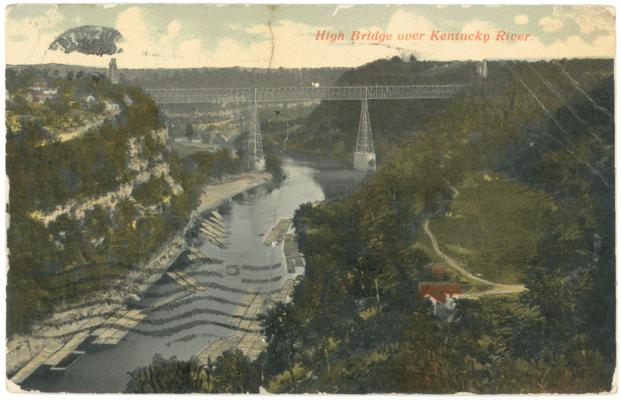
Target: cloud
x=520, y=19
x=46, y=22
x=146, y=47
x=589, y=19
x=188, y=52
x=131, y=23
x=534, y=48
x=294, y=46
x=27, y=39
x=551, y=24
x=339, y=8
x=230, y=52
x=140, y=45
x=18, y=37
x=263, y=30
x=175, y=44
x=405, y=21
x=575, y=46
x=174, y=27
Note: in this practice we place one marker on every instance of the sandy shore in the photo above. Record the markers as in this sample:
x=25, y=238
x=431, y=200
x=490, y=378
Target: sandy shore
x=214, y=195
x=62, y=325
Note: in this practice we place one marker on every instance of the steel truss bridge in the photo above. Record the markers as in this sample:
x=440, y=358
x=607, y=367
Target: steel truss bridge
x=364, y=155
x=281, y=94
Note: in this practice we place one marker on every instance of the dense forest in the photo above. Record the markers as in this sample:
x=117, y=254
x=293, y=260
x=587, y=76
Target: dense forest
x=59, y=258
x=232, y=77
x=206, y=77
x=332, y=127
x=515, y=176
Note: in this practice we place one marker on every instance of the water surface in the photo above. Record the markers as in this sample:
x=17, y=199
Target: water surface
x=185, y=330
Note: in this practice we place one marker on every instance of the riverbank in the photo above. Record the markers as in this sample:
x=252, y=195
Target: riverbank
x=214, y=195
x=25, y=353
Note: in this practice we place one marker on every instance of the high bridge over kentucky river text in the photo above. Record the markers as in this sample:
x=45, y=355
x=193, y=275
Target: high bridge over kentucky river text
x=364, y=155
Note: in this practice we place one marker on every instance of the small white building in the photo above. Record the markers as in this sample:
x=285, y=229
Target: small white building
x=481, y=69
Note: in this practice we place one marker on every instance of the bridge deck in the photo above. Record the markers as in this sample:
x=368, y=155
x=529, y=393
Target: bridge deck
x=280, y=94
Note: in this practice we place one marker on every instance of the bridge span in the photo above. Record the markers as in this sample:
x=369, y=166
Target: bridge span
x=282, y=94
x=364, y=155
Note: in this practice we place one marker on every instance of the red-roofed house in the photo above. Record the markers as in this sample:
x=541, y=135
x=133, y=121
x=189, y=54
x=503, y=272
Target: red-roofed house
x=439, y=291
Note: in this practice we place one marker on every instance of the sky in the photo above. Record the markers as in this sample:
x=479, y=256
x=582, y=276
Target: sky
x=202, y=35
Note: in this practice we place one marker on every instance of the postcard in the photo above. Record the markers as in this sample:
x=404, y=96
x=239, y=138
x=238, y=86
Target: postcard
x=310, y=199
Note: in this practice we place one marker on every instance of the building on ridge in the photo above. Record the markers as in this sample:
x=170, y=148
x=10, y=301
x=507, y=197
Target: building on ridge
x=113, y=72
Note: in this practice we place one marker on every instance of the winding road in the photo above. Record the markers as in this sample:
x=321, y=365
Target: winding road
x=496, y=288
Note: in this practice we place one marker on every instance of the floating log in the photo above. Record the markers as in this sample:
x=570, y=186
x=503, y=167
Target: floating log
x=112, y=336
x=278, y=232
x=67, y=348
x=292, y=254
x=35, y=363
x=214, y=231
x=188, y=282
x=217, y=215
x=68, y=360
x=216, y=242
x=251, y=343
x=216, y=222
x=209, y=233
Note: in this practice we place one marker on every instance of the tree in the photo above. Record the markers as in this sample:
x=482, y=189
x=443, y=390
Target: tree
x=165, y=376
x=233, y=372
x=283, y=333
x=189, y=132
x=273, y=165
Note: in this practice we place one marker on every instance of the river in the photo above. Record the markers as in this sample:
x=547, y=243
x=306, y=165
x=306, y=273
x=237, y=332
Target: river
x=104, y=369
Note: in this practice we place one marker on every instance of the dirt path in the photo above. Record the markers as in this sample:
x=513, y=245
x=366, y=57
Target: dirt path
x=79, y=131
x=497, y=288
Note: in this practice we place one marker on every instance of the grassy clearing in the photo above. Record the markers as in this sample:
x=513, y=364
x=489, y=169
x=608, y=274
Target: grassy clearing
x=493, y=227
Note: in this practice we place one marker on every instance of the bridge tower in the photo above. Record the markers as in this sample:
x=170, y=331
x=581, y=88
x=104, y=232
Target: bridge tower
x=364, y=156
x=255, y=142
